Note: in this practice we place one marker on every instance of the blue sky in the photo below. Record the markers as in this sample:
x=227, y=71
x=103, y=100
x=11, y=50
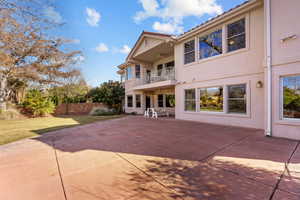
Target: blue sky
x=105, y=30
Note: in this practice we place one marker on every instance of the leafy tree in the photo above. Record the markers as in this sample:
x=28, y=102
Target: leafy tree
x=110, y=93
x=37, y=103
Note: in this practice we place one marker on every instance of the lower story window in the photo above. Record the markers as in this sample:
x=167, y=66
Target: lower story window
x=129, y=101
x=211, y=99
x=160, y=100
x=237, y=99
x=190, y=100
x=137, y=100
x=170, y=100
x=291, y=97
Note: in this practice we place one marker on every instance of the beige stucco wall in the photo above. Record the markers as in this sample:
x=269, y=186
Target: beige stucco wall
x=285, y=60
x=242, y=66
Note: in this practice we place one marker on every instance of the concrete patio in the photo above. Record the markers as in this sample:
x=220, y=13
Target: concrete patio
x=134, y=158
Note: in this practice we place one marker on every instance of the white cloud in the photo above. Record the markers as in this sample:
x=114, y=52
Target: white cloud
x=53, y=15
x=125, y=49
x=102, y=48
x=93, y=17
x=167, y=28
x=172, y=12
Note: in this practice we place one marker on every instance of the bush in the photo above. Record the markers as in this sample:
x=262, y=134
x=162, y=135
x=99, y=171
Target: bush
x=102, y=112
x=37, y=104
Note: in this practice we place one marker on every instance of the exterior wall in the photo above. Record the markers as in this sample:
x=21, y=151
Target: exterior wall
x=130, y=84
x=242, y=66
x=285, y=60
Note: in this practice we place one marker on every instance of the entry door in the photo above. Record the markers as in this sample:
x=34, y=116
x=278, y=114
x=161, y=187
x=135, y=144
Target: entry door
x=148, y=102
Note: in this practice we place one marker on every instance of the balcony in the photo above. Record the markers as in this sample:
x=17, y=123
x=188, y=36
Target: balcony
x=164, y=79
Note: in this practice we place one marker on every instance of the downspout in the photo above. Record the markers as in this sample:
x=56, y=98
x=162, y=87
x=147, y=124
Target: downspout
x=269, y=67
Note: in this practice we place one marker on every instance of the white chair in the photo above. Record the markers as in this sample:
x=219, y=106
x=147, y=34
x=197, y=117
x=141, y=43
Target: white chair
x=146, y=114
x=154, y=113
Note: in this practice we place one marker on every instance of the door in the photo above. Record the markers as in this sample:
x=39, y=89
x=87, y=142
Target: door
x=148, y=102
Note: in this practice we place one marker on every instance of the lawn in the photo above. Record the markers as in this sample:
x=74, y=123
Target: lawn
x=13, y=130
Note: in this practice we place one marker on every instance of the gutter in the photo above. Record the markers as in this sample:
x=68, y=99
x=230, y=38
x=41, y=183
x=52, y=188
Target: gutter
x=269, y=67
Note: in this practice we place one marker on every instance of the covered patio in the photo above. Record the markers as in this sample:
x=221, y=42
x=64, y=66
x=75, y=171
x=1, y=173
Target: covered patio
x=136, y=158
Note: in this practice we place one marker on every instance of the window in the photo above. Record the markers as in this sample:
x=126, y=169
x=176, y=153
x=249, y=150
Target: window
x=210, y=45
x=189, y=52
x=291, y=97
x=170, y=100
x=128, y=73
x=237, y=102
x=137, y=100
x=236, y=35
x=137, y=71
x=170, y=65
x=190, y=100
x=211, y=99
x=129, y=101
x=160, y=100
x=159, y=69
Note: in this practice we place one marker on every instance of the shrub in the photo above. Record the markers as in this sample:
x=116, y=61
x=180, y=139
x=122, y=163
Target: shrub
x=102, y=112
x=37, y=104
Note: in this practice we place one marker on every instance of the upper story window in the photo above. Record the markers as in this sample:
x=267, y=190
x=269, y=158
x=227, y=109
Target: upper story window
x=137, y=71
x=189, y=52
x=170, y=66
x=159, y=69
x=129, y=73
x=236, y=35
x=211, y=44
x=291, y=97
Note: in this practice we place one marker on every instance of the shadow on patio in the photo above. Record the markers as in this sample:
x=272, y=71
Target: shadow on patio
x=192, y=160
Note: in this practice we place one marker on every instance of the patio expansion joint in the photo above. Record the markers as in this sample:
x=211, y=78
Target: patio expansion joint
x=285, y=169
x=157, y=181
x=59, y=170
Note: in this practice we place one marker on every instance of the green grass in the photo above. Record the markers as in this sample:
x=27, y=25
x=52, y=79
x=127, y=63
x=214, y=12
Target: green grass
x=13, y=130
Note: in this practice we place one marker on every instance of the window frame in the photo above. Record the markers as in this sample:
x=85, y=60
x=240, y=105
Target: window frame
x=165, y=97
x=206, y=34
x=195, y=51
x=163, y=101
x=127, y=103
x=281, y=107
x=127, y=73
x=246, y=99
x=199, y=96
x=245, y=18
x=139, y=71
x=195, y=100
x=140, y=101
x=225, y=100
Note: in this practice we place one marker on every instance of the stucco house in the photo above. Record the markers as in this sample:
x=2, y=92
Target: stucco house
x=241, y=68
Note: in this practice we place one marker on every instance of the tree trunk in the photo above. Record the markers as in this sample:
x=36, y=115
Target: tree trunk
x=4, y=92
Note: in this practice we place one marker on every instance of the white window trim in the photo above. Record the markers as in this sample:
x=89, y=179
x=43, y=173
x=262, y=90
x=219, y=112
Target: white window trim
x=225, y=112
x=195, y=51
x=198, y=99
x=282, y=118
x=224, y=41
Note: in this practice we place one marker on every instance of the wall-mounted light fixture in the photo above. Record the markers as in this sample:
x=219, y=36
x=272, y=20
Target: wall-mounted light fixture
x=291, y=37
x=259, y=84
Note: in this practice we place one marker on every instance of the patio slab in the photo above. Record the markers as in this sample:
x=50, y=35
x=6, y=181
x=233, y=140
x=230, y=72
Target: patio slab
x=135, y=159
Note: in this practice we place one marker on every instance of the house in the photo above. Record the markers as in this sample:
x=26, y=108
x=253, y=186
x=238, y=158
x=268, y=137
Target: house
x=241, y=68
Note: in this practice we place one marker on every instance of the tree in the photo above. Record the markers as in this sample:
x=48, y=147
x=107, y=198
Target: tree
x=27, y=53
x=110, y=93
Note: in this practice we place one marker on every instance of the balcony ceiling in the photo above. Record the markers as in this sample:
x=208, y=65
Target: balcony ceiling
x=158, y=52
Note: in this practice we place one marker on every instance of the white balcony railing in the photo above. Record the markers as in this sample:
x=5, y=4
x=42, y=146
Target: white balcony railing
x=156, y=77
